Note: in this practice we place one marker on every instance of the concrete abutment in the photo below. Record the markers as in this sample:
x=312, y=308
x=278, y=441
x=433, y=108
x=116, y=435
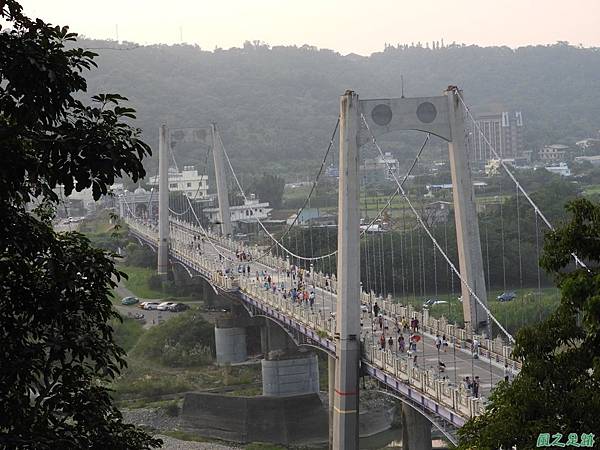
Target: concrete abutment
x=295, y=375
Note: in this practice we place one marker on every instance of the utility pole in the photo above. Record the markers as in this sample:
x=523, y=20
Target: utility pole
x=465, y=217
x=347, y=333
x=221, y=179
x=163, y=201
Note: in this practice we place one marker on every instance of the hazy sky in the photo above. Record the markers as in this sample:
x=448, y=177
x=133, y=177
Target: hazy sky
x=346, y=26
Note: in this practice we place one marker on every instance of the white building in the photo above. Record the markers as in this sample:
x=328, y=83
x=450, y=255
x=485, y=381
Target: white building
x=380, y=168
x=593, y=160
x=250, y=211
x=560, y=169
x=187, y=181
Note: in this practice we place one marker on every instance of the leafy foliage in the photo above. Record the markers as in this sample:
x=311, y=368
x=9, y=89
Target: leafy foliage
x=276, y=106
x=183, y=341
x=558, y=388
x=269, y=188
x=418, y=269
x=140, y=255
x=58, y=350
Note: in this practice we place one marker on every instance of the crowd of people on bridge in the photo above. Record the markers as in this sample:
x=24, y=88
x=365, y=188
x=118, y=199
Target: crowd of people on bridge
x=398, y=335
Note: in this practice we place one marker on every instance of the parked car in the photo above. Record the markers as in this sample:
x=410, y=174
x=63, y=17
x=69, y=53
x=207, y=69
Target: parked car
x=165, y=306
x=507, y=296
x=150, y=305
x=364, y=308
x=178, y=307
x=433, y=302
x=129, y=300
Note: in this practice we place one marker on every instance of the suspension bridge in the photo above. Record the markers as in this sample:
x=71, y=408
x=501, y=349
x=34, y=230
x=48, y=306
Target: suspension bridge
x=336, y=315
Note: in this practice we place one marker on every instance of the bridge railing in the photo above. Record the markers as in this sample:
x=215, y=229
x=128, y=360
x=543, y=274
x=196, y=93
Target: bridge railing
x=423, y=380
x=426, y=381
x=495, y=349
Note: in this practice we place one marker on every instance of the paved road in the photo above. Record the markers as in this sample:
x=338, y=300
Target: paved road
x=152, y=317
x=459, y=362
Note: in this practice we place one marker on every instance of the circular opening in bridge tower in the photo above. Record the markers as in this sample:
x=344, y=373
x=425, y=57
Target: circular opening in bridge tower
x=426, y=112
x=381, y=115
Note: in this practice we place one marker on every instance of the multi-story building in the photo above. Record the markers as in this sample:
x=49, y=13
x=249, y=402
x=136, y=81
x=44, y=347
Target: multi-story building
x=380, y=168
x=553, y=153
x=187, y=181
x=559, y=169
x=504, y=131
x=250, y=211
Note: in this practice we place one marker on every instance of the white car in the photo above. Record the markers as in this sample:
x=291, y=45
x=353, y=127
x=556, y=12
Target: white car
x=150, y=305
x=166, y=306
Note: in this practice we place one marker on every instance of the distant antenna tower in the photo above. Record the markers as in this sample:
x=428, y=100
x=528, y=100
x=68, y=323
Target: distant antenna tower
x=181, y=34
x=117, y=32
x=402, y=85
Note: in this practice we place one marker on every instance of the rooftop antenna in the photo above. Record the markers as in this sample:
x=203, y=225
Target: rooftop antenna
x=402, y=83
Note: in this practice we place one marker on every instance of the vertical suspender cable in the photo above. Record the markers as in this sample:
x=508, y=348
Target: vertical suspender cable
x=537, y=255
x=519, y=240
x=412, y=264
x=502, y=238
x=393, y=265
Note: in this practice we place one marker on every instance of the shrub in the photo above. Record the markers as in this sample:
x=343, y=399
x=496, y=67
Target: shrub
x=140, y=255
x=155, y=282
x=183, y=341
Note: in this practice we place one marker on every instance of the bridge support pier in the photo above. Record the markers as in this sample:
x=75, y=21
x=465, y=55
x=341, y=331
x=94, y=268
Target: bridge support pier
x=296, y=374
x=416, y=430
x=230, y=344
x=273, y=340
x=331, y=392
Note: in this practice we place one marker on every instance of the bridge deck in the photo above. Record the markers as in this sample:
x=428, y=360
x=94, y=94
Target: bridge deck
x=441, y=394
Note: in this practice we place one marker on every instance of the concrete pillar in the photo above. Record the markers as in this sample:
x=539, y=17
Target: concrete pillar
x=465, y=216
x=274, y=340
x=163, y=201
x=221, y=179
x=416, y=430
x=230, y=344
x=291, y=376
x=347, y=333
x=331, y=391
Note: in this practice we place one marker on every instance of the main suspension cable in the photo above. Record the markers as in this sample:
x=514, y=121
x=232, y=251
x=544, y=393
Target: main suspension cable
x=513, y=178
x=426, y=229
x=317, y=258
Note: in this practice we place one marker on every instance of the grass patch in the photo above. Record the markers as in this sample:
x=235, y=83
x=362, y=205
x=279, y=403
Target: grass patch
x=146, y=383
x=127, y=333
x=592, y=190
x=250, y=391
x=529, y=307
x=263, y=446
x=176, y=357
x=136, y=383
x=138, y=282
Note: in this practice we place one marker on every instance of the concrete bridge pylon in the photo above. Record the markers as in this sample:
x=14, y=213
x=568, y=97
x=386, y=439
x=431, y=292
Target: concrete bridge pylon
x=163, y=201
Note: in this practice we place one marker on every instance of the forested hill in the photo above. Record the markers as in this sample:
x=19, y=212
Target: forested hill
x=281, y=102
